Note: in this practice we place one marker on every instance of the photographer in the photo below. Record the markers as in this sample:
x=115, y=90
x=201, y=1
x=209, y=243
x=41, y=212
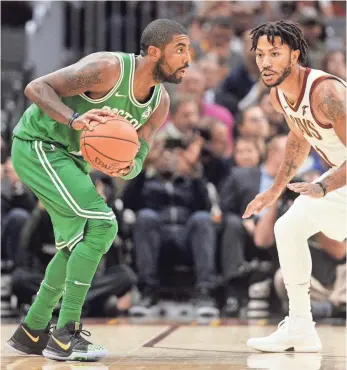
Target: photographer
x=173, y=225
x=214, y=151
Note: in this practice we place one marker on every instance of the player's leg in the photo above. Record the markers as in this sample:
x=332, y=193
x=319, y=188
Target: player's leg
x=296, y=332
x=71, y=200
x=306, y=217
x=87, y=226
x=66, y=342
x=32, y=335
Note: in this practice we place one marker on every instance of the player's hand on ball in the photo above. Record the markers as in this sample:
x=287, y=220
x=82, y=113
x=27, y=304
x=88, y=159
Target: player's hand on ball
x=306, y=188
x=260, y=202
x=85, y=120
x=122, y=171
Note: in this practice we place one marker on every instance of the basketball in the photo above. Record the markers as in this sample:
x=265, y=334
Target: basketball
x=111, y=145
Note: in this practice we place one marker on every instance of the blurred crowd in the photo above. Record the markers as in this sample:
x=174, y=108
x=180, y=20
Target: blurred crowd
x=182, y=237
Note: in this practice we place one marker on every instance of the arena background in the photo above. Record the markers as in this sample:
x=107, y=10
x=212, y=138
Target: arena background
x=40, y=37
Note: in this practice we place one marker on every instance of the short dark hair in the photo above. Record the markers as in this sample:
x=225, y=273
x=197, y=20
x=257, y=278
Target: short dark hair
x=159, y=33
x=289, y=33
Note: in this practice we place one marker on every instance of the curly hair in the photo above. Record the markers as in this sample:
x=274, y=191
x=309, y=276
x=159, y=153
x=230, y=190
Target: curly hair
x=289, y=33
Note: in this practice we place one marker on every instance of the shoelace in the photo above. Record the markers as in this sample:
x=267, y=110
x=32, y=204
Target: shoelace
x=282, y=325
x=78, y=333
x=49, y=329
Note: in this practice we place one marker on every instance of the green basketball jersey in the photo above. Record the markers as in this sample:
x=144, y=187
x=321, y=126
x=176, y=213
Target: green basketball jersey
x=36, y=125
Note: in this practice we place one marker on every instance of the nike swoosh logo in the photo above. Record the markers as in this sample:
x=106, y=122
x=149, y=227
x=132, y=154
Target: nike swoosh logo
x=65, y=347
x=79, y=283
x=119, y=95
x=35, y=340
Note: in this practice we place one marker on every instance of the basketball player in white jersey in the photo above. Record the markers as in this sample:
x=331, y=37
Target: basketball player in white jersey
x=314, y=105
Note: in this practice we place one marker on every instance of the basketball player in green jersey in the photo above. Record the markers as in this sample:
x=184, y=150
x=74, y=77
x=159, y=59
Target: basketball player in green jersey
x=46, y=156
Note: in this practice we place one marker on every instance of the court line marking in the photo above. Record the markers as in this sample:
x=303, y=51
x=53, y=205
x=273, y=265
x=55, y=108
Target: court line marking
x=159, y=337
x=140, y=346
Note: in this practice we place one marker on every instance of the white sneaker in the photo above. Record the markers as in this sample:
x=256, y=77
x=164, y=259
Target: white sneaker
x=284, y=361
x=292, y=335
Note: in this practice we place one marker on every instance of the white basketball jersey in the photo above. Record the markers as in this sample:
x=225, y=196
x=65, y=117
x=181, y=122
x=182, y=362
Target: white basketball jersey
x=322, y=137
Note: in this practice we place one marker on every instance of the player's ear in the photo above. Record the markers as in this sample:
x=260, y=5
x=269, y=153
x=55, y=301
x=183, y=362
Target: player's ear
x=154, y=53
x=295, y=56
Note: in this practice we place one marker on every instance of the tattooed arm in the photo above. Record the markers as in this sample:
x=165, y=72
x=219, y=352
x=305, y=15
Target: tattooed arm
x=329, y=106
x=96, y=73
x=297, y=150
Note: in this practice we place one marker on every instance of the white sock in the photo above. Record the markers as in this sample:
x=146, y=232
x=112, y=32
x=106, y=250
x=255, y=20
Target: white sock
x=299, y=300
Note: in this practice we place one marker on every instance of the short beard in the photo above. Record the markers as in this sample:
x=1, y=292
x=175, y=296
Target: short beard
x=159, y=75
x=287, y=71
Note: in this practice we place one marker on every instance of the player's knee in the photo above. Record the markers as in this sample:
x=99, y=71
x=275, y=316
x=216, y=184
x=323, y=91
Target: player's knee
x=102, y=234
x=281, y=229
x=110, y=229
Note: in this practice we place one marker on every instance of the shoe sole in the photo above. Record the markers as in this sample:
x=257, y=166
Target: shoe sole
x=76, y=356
x=20, y=349
x=290, y=349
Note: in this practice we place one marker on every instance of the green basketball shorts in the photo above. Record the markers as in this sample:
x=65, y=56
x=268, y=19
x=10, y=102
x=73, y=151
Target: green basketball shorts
x=62, y=184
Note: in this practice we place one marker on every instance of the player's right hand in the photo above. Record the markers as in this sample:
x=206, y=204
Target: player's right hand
x=261, y=201
x=84, y=120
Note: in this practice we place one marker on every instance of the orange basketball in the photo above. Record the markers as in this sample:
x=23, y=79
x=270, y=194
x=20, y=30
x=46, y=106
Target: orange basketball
x=111, y=145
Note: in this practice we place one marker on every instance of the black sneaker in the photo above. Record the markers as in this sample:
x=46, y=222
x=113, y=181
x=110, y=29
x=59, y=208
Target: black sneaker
x=67, y=344
x=232, y=307
x=205, y=306
x=28, y=341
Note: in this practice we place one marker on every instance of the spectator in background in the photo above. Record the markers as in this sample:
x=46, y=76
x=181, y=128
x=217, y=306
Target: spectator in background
x=211, y=71
x=178, y=132
x=252, y=122
x=215, y=160
x=314, y=33
x=194, y=83
x=247, y=153
x=184, y=116
x=237, y=240
x=242, y=19
x=173, y=225
x=196, y=30
x=239, y=83
x=17, y=201
x=334, y=62
x=278, y=125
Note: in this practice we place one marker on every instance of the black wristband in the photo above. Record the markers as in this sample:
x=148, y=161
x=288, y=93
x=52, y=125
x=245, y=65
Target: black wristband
x=73, y=117
x=323, y=187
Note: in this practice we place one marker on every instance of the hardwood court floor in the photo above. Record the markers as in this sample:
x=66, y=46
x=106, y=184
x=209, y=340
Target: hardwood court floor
x=165, y=346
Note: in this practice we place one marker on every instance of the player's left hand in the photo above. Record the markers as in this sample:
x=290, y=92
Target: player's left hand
x=122, y=171
x=306, y=188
